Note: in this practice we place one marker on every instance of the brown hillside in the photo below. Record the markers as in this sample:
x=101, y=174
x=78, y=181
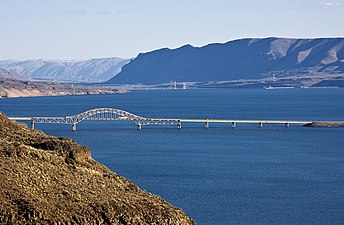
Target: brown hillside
x=49, y=180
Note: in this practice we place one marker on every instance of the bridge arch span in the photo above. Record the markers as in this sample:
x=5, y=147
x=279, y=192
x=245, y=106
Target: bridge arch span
x=105, y=114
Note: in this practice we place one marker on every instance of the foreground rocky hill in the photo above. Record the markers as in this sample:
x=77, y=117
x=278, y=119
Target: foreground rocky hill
x=245, y=59
x=49, y=180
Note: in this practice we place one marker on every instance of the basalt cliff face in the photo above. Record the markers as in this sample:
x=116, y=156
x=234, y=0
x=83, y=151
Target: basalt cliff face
x=49, y=180
x=250, y=62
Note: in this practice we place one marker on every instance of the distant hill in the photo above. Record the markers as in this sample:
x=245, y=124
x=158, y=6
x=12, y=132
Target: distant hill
x=4, y=74
x=239, y=59
x=92, y=70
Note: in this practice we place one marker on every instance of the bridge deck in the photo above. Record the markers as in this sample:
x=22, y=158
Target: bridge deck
x=243, y=121
x=20, y=118
x=181, y=120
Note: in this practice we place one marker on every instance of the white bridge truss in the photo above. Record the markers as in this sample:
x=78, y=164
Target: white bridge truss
x=105, y=114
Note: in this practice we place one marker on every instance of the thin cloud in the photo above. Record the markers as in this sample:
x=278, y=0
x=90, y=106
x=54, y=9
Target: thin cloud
x=82, y=11
x=107, y=12
x=329, y=5
x=100, y=12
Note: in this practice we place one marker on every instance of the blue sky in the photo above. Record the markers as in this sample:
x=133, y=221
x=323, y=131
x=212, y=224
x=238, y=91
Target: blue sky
x=80, y=29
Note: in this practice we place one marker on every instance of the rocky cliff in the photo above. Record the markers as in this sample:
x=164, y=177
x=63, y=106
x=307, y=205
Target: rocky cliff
x=49, y=180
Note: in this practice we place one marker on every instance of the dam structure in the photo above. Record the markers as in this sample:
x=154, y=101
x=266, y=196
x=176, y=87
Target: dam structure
x=111, y=114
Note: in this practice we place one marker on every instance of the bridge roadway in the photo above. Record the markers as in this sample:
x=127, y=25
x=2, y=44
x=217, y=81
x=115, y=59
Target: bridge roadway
x=117, y=114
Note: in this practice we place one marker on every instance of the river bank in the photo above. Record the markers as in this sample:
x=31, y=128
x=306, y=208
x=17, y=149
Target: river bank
x=12, y=88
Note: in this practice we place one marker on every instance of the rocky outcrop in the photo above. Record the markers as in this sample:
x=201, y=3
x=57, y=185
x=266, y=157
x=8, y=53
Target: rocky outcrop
x=325, y=124
x=50, y=180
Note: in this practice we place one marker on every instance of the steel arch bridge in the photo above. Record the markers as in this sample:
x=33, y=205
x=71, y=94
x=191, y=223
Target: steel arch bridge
x=117, y=114
x=105, y=114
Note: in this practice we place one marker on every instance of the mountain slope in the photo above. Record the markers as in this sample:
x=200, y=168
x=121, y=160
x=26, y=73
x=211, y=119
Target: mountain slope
x=5, y=74
x=93, y=70
x=239, y=59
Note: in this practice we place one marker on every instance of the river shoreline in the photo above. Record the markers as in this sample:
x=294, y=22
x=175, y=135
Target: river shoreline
x=12, y=88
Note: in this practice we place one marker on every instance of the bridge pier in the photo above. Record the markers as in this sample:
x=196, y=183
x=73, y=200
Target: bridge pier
x=233, y=124
x=179, y=125
x=32, y=124
x=139, y=126
x=260, y=124
x=74, y=127
x=286, y=125
x=206, y=124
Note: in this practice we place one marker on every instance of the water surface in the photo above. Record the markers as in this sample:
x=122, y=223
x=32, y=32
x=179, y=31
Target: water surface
x=247, y=175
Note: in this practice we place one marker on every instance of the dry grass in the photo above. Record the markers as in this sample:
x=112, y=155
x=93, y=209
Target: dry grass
x=48, y=180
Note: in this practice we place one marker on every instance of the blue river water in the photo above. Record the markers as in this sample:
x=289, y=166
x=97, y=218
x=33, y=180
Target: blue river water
x=220, y=175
